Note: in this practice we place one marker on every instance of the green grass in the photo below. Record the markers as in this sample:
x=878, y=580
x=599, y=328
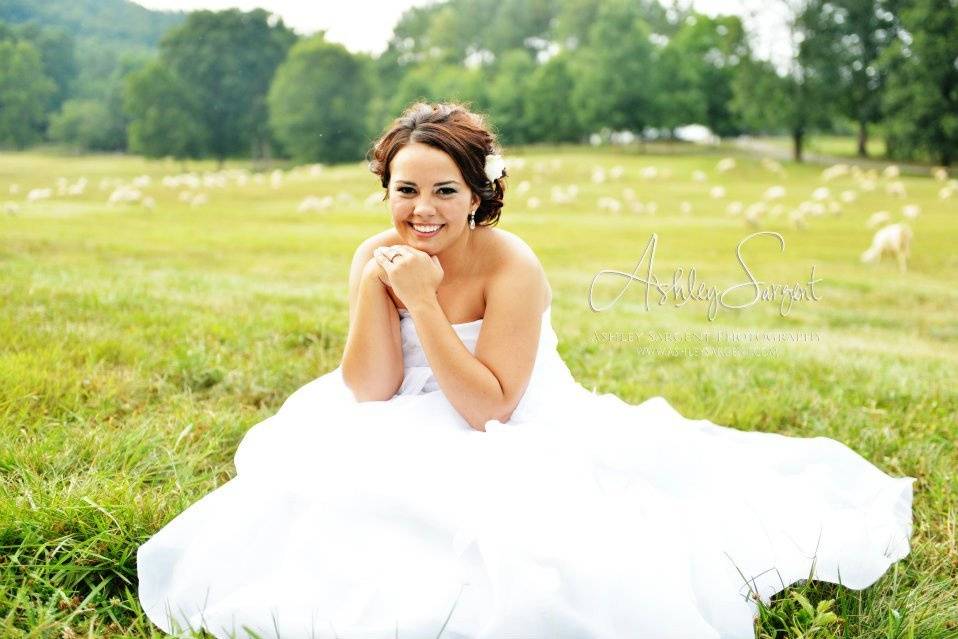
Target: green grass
x=139, y=346
x=835, y=145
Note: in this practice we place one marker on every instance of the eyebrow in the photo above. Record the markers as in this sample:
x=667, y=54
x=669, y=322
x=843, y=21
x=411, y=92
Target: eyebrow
x=436, y=184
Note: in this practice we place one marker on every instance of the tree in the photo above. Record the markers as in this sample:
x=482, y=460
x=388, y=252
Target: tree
x=56, y=49
x=796, y=101
x=165, y=113
x=318, y=101
x=227, y=60
x=548, y=102
x=24, y=93
x=713, y=48
x=614, y=71
x=678, y=87
x=83, y=123
x=921, y=97
x=845, y=39
x=509, y=94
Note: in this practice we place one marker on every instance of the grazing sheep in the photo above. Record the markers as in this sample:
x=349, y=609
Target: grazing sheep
x=894, y=239
x=562, y=195
x=199, y=200
x=685, y=207
x=523, y=187
x=911, y=211
x=848, y=196
x=754, y=212
x=533, y=202
x=610, y=203
x=78, y=187
x=834, y=171
x=725, y=164
x=11, y=207
x=699, y=176
x=773, y=166
x=940, y=173
x=876, y=218
x=319, y=204
x=774, y=192
x=896, y=188
x=35, y=195
x=124, y=194
x=891, y=171
x=149, y=204
x=15, y=188
x=821, y=193
x=717, y=192
x=598, y=175
x=797, y=218
x=734, y=208
x=648, y=172
x=617, y=171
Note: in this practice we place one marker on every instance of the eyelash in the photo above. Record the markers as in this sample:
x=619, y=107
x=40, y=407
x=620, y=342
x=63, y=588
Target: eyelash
x=445, y=188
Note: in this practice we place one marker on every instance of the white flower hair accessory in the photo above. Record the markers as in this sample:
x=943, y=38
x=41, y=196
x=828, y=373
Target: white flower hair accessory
x=495, y=166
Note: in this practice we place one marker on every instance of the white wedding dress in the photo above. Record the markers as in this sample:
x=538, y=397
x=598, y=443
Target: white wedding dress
x=582, y=517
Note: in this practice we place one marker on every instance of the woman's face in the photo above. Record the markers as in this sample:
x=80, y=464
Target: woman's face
x=426, y=189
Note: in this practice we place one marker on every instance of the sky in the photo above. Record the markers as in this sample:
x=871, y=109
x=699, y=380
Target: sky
x=365, y=25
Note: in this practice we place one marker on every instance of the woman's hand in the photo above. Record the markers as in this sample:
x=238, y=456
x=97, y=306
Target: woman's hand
x=374, y=271
x=414, y=275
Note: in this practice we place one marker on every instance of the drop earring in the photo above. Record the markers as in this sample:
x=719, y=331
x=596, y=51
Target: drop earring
x=472, y=220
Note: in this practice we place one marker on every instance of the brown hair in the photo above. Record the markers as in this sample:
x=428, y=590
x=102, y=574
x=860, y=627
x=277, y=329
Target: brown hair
x=461, y=133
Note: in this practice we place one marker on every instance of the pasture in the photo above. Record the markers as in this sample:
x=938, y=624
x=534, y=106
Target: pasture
x=140, y=339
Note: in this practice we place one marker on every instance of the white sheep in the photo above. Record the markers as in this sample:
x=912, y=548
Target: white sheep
x=774, y=192
x=896, y=188
x=876, y=218
x=610, y=203
x=834, y=171
x=894, y=239
x=725, y=164
x=124, y=194
x=35, y=195
x=717, y=192
x=911, y=211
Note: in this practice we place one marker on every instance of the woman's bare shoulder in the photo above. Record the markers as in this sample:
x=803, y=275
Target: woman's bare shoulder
x=511, y=255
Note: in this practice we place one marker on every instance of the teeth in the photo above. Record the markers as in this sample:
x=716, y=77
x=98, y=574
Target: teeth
x=426, y=229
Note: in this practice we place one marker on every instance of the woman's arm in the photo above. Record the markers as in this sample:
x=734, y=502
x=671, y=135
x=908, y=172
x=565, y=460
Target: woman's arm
x=489, y=384
x=372, y=364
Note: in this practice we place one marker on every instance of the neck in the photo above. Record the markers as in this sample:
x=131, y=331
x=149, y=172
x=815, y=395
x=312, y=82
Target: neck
x=455, y=259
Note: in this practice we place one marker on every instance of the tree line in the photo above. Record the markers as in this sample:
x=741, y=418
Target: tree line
x=243, y=84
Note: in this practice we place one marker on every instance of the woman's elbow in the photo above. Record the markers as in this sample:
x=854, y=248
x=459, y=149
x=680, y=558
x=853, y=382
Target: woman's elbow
x=501, y=414
x=366, y=390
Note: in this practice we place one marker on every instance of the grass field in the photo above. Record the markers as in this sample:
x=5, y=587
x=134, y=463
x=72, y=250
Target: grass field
x=138, y=344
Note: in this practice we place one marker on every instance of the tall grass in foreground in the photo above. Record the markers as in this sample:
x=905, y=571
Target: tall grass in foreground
x=137, y=347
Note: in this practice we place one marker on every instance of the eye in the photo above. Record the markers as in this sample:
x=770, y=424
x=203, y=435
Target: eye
x=448, y=188
x=402, y=189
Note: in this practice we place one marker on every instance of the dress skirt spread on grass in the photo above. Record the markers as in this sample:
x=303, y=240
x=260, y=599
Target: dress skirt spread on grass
x=582, y=517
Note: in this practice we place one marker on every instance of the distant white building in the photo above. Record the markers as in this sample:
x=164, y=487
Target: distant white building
x=696, y=133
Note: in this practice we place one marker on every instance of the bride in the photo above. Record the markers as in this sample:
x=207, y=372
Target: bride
x=451, y=479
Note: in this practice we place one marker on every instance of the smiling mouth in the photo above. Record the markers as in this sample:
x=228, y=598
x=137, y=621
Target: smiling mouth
x=426, y=230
